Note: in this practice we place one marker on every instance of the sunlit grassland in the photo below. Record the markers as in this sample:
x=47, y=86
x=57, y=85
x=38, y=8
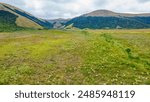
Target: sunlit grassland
x=75, y=57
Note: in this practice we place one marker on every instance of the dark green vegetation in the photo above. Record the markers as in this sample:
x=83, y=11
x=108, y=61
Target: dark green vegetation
x=7, y=21
x=110, y=22
x=105, y=19
x=44, y=24
x=75, y=57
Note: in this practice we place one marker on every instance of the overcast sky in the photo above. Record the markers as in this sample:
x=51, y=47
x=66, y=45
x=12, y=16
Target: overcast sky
x=50, y=9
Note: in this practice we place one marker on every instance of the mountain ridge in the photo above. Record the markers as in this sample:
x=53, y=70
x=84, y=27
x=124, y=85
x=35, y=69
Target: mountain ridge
x=14, y=18
x=22, y=18
x=107, y=13
x=105, y=19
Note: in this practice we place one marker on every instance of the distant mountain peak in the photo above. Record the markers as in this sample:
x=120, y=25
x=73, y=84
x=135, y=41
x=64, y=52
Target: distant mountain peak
x=108, y=13
x=105, y=19
x=101, y=13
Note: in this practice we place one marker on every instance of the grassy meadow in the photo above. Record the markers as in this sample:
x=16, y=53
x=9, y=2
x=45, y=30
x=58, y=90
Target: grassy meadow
x=75, y=57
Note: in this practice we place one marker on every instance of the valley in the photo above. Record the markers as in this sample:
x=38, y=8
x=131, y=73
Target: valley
x=75, y=57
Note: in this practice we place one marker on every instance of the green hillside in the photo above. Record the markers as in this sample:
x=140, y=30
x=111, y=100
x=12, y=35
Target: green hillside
x=7, y=21
x=75, y=57
x=105, y=19
x=110, y=22
x=12, y=18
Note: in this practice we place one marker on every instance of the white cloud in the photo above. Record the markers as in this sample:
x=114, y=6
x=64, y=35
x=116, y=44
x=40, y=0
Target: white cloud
x=72, y=8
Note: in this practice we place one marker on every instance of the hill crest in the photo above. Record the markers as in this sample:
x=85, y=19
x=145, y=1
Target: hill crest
x=23, y=18
x=108, y=13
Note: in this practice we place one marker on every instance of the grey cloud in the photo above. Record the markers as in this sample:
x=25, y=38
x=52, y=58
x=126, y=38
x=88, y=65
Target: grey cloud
x=100, y=2
x=62, y=1
x=71, y=8
x=57, y=11
x=13, y=2
x=143, y=1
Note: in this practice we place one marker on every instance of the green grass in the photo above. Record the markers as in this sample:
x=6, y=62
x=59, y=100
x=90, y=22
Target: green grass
x=75, y=57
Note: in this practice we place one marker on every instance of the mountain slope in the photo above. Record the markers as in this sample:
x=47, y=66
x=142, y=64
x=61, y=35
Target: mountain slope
x=12, y=17
x=58, y=23
x=102, y=19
